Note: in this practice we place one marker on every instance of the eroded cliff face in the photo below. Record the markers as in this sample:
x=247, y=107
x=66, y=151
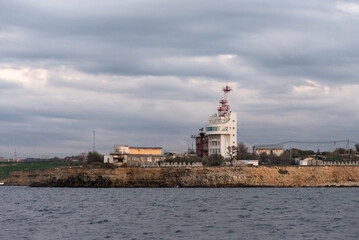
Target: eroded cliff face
x=292, y=176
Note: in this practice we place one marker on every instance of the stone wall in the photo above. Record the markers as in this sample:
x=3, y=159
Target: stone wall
x=162, y=164
x=315, y=162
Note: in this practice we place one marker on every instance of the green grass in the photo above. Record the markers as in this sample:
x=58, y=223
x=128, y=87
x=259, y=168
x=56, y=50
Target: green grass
x=8, y=167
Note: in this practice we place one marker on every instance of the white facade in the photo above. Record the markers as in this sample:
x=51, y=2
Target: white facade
x=250, y=162
x=222, y=133
x=122, y=149
x=306, y=161
x=108, y=159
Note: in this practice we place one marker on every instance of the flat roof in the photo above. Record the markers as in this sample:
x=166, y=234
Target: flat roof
x=148, y=147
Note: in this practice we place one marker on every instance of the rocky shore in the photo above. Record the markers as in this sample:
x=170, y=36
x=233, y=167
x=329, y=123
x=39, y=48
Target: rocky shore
x=292, y=176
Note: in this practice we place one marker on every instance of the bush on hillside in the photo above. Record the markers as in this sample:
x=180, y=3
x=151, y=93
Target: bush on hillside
x=214, y=160
x=94, y=157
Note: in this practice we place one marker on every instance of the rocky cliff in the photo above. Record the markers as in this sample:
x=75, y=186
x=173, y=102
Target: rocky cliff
x=292, y=176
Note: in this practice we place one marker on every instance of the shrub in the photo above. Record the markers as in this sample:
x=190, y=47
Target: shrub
x=214, y=160
x=94, y=157
x=101, y=165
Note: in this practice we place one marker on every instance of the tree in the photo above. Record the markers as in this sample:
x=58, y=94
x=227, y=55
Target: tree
x=357, y=147
x=232, y=152
x=55, y=159
x=243, y=153
x=94, y=157
x=263, y=158
x=214, y=160
x=283, y=159
x=339, y=151
x=302, y=153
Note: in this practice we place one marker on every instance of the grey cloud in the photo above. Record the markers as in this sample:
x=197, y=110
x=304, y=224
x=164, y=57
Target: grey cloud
x=6, y=85
x=276, y=45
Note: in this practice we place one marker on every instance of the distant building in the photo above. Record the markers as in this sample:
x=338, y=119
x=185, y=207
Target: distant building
x=220, y=132
x=243, y=162
x=310, y=161
x=276, y=149
x=71, y=159
x=306, y=161
x=201, y=144
x=134, y=156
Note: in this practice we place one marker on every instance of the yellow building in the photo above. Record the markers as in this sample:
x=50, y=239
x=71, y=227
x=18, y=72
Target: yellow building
x=268, y=149
x=134, y=156
x=145, y=150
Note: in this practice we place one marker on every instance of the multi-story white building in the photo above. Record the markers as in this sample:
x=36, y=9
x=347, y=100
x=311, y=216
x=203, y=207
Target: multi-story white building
x=222, y=129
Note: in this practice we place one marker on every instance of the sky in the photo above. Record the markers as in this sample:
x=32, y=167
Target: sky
x=150, y=73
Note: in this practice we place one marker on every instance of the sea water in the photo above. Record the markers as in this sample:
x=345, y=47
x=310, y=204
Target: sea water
x=179, y=213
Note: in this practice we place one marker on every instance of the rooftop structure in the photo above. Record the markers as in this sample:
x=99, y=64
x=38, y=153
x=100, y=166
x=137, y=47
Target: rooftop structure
x=124, y=149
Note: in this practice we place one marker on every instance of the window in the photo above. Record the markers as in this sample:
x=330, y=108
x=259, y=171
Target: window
x=234, y=128
x=233, y=135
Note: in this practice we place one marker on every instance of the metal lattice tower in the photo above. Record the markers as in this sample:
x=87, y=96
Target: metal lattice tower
x=224, y=107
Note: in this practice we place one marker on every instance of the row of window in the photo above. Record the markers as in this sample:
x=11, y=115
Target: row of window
x=215, y=143
x=214, y=151
x=223, y=129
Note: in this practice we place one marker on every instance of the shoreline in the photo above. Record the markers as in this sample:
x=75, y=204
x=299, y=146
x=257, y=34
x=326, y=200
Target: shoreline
x=196, y=177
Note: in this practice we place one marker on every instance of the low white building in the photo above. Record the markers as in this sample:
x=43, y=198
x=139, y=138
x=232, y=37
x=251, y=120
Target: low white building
x=243, y=162
x=250, y=162
x=307, y=161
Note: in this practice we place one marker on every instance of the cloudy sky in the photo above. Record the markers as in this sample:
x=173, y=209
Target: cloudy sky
x=149, y=73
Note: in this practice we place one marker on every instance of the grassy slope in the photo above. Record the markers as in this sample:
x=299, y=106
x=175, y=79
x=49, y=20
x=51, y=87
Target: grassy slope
x=6, y=168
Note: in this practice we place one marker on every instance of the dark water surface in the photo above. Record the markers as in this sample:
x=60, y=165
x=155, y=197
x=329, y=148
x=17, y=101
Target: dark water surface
x=153, y=213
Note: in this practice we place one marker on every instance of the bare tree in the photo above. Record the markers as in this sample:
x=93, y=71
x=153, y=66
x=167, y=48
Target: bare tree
x=232, y=152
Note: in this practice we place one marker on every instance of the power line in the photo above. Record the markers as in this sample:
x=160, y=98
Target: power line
x=316, y=142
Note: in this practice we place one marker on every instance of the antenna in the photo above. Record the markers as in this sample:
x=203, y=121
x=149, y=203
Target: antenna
x=224, y=107
x=94, y=141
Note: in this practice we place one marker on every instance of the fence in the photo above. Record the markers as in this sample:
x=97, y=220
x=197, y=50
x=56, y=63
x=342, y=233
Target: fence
x=163, y=164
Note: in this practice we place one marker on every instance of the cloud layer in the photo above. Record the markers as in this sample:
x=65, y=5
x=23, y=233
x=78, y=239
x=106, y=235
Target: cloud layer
x=150, y=72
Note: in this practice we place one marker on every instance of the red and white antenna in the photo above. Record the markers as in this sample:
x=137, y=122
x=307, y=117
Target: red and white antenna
x=224, y=107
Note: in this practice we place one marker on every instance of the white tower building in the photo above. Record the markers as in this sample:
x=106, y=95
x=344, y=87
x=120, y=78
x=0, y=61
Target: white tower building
x=222, y=128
